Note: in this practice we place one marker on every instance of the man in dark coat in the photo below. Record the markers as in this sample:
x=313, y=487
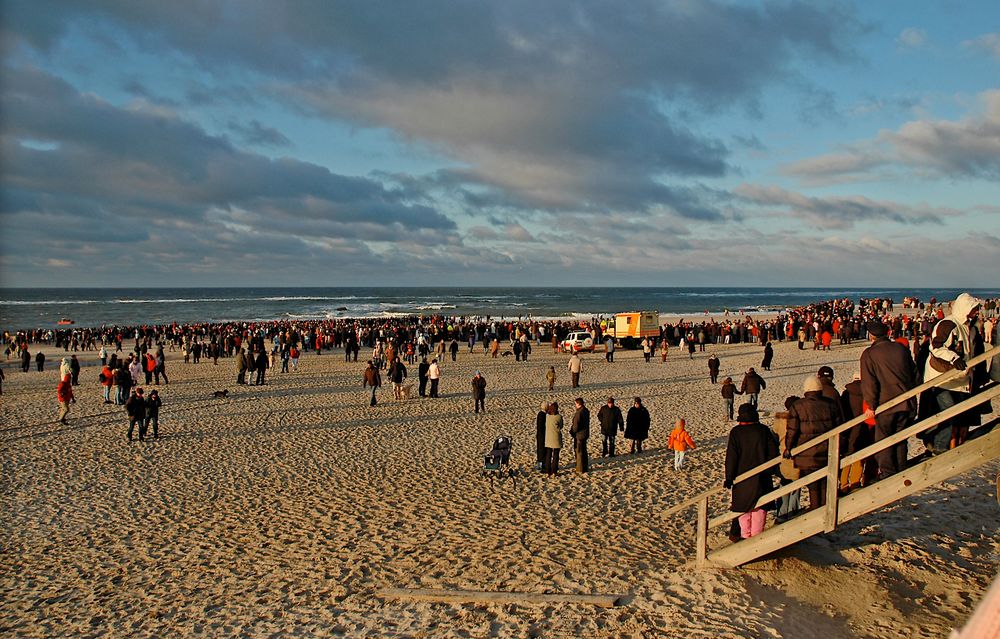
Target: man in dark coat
x=768, y=356
x=713, y=370
x=808, y=418
x=540, y=436
x=887, y=371
x=40, y=361
x=479, y=391
x=422, y=369
x=580, y=431
x=610, y=418
x=637, y=426
x=750, y=445
x=260, y=365
x=135, y=408
x=752, y=385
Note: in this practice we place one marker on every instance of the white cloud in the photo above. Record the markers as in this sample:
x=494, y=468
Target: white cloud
x=988, y=43
x=969, y=148
x=911, y=38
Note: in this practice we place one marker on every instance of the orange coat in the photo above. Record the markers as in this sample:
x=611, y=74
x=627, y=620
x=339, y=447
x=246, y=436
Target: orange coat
x=64, y=391
x=680, y=440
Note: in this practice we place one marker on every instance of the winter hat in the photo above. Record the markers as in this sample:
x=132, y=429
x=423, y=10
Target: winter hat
x=825, y=371
x=747, y=413
x=811, y=384
x=877, y=328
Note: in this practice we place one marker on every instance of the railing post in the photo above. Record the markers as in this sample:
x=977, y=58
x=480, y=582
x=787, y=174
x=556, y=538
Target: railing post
x=701, y=542
x=832, y=483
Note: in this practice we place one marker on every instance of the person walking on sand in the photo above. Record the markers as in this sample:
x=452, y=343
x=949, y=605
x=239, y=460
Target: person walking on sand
x=750, y=445
x=611, y=421
x=40, y=361
x=553, y=439
x=107, y=379
x=580, y=431
x=241, y=366
x=64, y=395
x=664, y=348
x=680, y=442
x=752, y=385
x=479, y=391
x=609, y=349
x=397, y=375
x=647, y=349
x=550, y=377
x=25, y=359
x=135, y=408
x=575, y=366
x=371, y=378
x=260, y=365
x=729, y=394
x=713, y=367
x=434, y=374
x=637, y=426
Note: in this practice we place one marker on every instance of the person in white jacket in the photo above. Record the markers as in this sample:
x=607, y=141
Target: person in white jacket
x=434, y=374
x=954, y=341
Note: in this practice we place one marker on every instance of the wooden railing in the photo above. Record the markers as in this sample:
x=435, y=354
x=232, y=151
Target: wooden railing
x=834, y=462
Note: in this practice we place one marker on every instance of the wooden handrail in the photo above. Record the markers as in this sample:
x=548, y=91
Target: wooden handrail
x=902, y=397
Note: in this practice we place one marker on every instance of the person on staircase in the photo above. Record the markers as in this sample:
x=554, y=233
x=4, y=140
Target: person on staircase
x=750, y=445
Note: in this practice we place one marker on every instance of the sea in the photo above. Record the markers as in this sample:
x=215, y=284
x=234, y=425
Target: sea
x=22, y=308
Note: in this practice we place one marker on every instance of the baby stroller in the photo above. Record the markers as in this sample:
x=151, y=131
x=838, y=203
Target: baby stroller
x=496, y=463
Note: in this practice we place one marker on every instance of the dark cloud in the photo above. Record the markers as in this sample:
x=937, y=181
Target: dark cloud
x=540, y=100
x=254, y=133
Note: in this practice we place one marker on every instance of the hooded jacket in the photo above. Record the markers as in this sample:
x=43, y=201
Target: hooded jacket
x=950, y=342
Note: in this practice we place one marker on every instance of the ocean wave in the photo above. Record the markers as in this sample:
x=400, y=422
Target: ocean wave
x=45, y=302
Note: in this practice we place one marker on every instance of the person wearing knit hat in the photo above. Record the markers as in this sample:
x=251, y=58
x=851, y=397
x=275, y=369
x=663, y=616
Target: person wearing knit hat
x=750, y=445
x=809, y=418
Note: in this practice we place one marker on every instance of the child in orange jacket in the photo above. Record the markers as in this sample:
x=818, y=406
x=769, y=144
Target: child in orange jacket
x=680, y=441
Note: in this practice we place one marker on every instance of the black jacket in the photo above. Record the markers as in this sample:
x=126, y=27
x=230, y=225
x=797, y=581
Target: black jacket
x=887, y=371
x=637, y=423
x=611, y=420
x=580, y=430
x=750, y=445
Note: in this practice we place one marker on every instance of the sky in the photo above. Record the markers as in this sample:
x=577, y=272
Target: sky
x=513, y=143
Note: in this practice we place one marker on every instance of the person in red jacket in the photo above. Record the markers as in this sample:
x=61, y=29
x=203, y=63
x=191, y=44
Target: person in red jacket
x=64, y=393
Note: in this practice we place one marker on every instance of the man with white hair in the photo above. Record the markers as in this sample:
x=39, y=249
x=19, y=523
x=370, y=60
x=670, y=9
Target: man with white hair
x=954, y=341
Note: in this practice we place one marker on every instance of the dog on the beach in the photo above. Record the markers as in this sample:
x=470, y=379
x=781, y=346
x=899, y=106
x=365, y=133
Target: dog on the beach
x=506, y=353
x=222, y=393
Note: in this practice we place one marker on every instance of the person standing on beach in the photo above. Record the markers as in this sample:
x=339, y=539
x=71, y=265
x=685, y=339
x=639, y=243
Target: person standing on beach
x=768, y=356
x=371, y=378
x=637, y=426
x=1, y=381
x=40, y=361
x=64, y=395
x=575, y=366
x=553, y=439
x=664, y=349
x=104, y=356
x=609, y=349
x=479, y=391
x=540, y=436
x=434, y=375
x=422, y=369
x=680, y=442
x=135, y=408
x=260, y=365
x=750, y=445
x=153, y=404
x=887, y=370
x=611, y=421
x=74, y=369
x=580, y=431
x=550, y=377
x=107, y=379
x=752, y=385
x=25, y=359
x=713, y=368
x=241, y=366
x=647, y=349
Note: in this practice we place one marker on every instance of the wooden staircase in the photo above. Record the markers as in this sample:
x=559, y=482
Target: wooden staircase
x=861, y=502
x=841, y=509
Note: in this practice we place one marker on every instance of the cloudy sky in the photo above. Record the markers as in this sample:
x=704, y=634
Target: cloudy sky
x=648, y=142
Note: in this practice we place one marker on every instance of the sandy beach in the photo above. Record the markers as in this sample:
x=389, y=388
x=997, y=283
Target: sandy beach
x=282, y=510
